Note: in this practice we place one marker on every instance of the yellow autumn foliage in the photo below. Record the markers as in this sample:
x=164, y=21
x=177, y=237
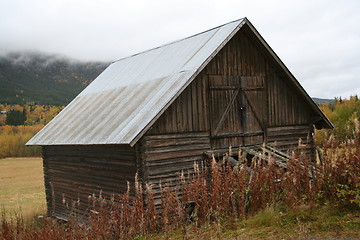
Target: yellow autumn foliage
x=13, y=139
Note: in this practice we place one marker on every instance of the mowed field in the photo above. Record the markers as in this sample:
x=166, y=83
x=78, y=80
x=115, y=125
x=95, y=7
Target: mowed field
x=22, y=186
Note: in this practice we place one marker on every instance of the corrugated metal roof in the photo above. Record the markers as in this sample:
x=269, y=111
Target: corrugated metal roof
x=124, y=100
x=120, y=103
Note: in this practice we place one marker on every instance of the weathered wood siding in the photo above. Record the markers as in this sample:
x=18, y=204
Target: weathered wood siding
x=239, y=98
x=235, y=116
x=165, y=156
x=188, y=113
x=286, y=106
x=243, y=67
x=73, y=173
x=270, y=102
x=288, y=138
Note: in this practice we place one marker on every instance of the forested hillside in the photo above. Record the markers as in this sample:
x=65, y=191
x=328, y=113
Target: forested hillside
x=44, y=79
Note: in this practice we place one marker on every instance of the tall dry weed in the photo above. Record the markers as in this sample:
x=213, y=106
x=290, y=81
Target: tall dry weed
x=215, y=190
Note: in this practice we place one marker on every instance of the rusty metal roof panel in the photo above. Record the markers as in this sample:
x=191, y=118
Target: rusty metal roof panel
x=124, y=99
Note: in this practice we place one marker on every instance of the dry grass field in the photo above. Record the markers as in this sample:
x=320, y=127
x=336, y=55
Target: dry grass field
x=22, y=186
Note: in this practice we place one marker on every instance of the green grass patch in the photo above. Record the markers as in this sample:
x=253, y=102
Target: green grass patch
x=303, y=222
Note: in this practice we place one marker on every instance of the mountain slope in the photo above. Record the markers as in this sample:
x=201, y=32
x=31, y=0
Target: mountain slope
x=322, y=100
x=44, y=79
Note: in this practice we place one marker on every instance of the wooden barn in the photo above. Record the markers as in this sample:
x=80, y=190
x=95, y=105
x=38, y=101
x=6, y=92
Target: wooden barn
x=157, y=112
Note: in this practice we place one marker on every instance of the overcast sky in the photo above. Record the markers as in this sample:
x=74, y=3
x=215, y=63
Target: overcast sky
x=318, y=40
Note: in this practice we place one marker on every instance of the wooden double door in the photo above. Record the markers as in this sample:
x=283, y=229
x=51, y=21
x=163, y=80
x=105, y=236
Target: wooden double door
x=237, y=110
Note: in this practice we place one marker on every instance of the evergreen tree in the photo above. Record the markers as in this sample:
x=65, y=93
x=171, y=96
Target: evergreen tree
x=15, y=117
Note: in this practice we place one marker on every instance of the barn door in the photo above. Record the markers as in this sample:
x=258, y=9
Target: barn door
x=236, y=112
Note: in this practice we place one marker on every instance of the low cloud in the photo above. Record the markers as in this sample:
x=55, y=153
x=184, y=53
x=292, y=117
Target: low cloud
x=317, y=40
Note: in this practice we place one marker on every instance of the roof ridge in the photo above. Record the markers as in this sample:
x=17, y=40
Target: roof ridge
x=179, y=40
x=136, y=106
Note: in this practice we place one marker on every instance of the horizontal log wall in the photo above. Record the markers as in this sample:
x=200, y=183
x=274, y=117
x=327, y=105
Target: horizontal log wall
x=73, y=173
x=291, y=138
x=165, y=156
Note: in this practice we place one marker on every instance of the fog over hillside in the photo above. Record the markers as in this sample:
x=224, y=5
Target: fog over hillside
x=43, y=78
x=34, y=77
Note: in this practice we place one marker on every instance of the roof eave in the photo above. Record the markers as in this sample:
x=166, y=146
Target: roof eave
x=74, y=144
